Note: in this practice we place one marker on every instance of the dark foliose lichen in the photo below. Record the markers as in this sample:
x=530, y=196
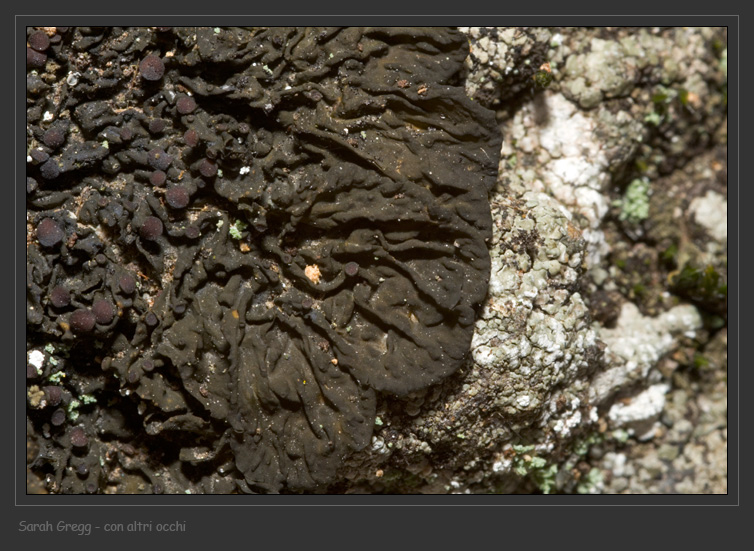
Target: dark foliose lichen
x=240, y=273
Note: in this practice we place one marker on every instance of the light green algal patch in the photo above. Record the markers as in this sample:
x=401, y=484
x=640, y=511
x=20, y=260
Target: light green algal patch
x=634, y=207
x=87, y=399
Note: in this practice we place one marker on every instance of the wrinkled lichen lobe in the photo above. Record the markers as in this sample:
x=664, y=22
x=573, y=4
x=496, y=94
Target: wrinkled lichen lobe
x=310, y=230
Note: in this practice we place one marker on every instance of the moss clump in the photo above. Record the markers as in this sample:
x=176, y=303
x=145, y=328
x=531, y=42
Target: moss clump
x=542, y=78
x=670, y=255
x=639, y=290
x=700, y=362
x=704, y=286
x=683, y=96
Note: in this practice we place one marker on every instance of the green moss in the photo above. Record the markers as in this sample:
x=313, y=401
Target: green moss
x=706, y=288
x=641, y=165
x=662, y=95
x=639, y=289
x=542, y=78
x=700, y=284
x=683, y=96
x=700, y=362
x=713, y=322
x=670, y=255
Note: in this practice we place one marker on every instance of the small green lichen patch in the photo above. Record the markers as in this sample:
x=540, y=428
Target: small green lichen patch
x=591, y=482
x=653, y=118
x=87, y=399
x=57, y=377
x=634, y=206
x=72, y=409
x=536, y=468
x=621, y=436
x=581, y=447
x=236, y=230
